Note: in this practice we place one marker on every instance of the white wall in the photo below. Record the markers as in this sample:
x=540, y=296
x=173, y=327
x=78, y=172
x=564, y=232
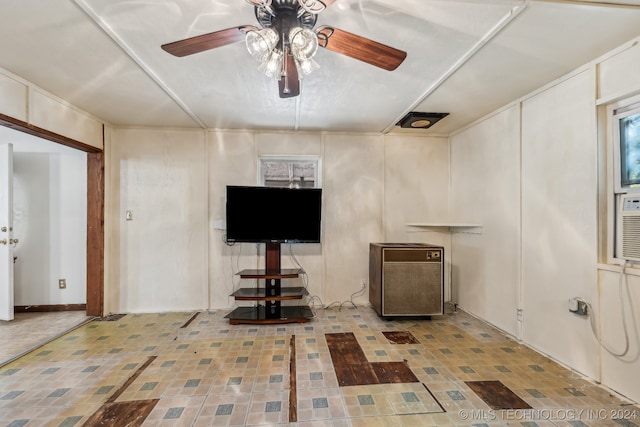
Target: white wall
x=416, y=184
x=158, y=260
x=618, y=79
x=24, y=101
x=620, y=373
x=485, y=190
x=535, y=163
x=358, y=170
x=231, y=160
x=50, y=222
x=553, y=188
x=559, y=219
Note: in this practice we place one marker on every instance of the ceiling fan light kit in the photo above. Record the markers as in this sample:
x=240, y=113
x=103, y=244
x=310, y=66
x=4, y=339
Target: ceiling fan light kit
x=260, y=43
x=418, y=120
x=286, y=42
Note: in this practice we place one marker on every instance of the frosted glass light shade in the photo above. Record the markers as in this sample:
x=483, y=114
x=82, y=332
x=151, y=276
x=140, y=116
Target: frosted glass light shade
x=260, y=43
x=306, y=66
x=272, y=67
x=303, y=42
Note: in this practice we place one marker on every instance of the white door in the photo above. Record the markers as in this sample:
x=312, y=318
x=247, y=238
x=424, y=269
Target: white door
x=6, y=232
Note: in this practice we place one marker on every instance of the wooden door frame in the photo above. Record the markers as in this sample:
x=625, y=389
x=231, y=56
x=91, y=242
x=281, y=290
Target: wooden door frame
x=95, y=207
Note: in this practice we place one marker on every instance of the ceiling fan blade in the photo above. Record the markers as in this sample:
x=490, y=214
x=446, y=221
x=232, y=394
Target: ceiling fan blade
x=360, y=48
x=207, y=41
x=289, y=86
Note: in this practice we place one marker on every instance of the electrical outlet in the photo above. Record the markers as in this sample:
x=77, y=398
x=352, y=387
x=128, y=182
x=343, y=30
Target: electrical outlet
x=582, y=308
x=62, y=283
x=578, y=306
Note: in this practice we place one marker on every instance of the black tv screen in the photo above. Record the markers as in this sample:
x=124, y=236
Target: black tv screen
x=268, y=214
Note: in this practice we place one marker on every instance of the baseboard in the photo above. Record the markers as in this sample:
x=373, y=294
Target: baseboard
x=51, y=307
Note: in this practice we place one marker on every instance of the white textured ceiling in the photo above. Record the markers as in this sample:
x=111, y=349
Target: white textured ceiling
x=464, y=57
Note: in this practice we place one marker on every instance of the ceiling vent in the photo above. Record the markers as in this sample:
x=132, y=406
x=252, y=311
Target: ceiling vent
x=417, y=120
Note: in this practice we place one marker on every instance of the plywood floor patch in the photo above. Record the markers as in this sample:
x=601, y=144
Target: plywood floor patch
x=497, y=395
x=120, y=414
x=400, y=337
x=352, y=367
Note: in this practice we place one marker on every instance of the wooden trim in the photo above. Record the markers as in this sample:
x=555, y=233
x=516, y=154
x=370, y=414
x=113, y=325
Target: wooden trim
x=95, y=207
x=190, y=320
x=48, y=308
x=293, y=387
x=25, y=127
x=131, y=379
x=95, y=234
x=124, y=413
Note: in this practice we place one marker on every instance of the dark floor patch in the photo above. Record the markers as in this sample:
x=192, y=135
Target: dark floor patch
x=190, y=320
x=353, y=368
x=400, y=337
x=293, y=393
x=117, y=414
x=120, y=414
x=497, y=395
x=131, y=379
x=110, y=318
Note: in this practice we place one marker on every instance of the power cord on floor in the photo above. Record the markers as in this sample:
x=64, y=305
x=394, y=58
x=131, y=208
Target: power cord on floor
x=350, y=301
x=305, y=281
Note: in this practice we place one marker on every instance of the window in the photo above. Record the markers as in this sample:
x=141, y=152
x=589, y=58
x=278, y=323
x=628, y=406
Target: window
x=624, y=132
x=626, y=140
x=629, y=136
x=289, y=171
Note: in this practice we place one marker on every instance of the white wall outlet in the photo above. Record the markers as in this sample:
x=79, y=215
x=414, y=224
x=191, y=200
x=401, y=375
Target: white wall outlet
x=62, y=283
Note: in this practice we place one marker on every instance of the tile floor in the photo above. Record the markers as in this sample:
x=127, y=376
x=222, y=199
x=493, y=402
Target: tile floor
x=210, y=373
x=29, y=330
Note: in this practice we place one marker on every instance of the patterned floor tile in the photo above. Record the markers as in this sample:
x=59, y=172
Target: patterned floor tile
x=207, y=372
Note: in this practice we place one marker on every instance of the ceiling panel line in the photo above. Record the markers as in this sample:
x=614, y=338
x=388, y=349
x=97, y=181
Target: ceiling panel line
x=592, y=3
x=484, y=40
x=93, y=15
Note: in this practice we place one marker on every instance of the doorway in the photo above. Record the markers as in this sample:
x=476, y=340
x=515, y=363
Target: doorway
x=95, y=209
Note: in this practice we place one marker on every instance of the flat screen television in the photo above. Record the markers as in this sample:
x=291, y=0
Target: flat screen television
x=273, y=215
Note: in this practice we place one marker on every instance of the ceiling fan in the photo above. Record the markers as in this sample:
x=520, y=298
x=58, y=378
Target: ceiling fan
x=286, y=42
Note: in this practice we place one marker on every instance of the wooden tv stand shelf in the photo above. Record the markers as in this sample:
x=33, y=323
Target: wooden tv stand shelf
x=272, y=294
x=288, y=273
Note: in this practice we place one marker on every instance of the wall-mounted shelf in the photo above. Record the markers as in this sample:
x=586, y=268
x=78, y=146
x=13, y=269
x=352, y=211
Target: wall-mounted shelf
x=450, y=227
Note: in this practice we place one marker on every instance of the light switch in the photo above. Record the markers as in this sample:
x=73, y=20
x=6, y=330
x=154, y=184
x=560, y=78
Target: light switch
x=129, y=215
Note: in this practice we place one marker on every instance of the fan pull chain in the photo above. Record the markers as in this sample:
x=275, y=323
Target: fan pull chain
x=285, y=73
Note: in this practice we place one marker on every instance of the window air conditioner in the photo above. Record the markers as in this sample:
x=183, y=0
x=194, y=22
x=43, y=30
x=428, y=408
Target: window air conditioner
x=628, y=228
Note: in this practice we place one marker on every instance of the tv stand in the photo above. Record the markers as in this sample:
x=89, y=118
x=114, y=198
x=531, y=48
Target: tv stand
x=271, y=295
